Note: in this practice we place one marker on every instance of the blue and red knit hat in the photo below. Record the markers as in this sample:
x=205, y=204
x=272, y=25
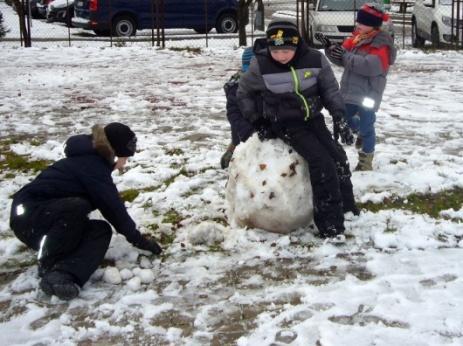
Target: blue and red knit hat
x=370, y=15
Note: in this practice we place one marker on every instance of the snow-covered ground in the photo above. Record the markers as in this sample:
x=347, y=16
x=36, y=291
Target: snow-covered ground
x=398, y=279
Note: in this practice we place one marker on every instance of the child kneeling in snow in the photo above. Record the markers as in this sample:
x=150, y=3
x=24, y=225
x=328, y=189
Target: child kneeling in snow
x=295, y=82
x=50, y=214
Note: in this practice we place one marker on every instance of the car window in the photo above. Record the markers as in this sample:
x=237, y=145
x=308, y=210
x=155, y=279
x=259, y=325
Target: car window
x=343, y=5
x=445, y=2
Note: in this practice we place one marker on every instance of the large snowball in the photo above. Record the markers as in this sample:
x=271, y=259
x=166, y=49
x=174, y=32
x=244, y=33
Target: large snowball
x=269, y=187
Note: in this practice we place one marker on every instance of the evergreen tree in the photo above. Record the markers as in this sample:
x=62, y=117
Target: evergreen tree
x=3, y=30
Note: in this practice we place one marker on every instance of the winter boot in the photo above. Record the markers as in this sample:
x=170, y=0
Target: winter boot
x=60, y=284
x=365, y=161
x=226, y=157
x=358, y=142
x=330, y=232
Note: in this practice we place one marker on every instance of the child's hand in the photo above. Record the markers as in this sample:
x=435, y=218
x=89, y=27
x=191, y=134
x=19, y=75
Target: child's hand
x=342, y=129
x=337, y=52
x=325, y=41
x=149, y=243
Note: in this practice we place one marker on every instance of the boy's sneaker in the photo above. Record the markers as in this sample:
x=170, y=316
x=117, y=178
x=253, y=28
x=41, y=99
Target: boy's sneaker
x=60, y=284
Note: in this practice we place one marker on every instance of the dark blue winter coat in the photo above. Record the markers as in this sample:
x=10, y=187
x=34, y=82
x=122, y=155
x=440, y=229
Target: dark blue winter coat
x=84, y=173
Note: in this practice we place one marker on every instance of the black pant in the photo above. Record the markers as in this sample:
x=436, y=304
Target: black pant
x=73, y=244
x=313, y=141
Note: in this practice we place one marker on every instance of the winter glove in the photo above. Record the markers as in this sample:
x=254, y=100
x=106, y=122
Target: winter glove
x=337, y=52
x=325, y=41
x=342, y=129
x=147, y=242
x=264, y=129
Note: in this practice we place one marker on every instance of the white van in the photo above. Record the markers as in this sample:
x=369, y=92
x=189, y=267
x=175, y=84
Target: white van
x=432, y=21
x=336, y=19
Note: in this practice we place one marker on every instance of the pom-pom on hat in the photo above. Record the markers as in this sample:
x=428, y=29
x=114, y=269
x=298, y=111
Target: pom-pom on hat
x=370, y=15
x=282, y=34
x=122, y=139
x=248, y=53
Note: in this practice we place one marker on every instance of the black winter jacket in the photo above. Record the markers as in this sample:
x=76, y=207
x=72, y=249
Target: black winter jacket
x=84, y=173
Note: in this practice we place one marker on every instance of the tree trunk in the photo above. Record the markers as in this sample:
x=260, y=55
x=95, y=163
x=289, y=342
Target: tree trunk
x=243, y=11
x=22, y=22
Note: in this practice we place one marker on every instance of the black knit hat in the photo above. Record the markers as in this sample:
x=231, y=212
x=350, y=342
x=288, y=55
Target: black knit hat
x=122, y=139
x=369, y=15
x=282, y=34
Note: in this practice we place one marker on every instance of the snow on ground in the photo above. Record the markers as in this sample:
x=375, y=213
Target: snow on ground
x=396, y=281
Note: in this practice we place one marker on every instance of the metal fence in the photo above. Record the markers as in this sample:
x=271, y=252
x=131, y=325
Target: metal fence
x=418, y=23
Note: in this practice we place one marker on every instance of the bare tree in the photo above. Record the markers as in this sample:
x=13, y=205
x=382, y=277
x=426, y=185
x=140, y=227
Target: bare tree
x=18, y=5
x=243, y=17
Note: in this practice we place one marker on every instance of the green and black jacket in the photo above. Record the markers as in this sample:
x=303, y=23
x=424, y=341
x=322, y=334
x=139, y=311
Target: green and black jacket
x=292, y=93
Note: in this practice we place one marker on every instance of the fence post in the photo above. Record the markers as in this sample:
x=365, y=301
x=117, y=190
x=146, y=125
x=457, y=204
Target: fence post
x=206, y=29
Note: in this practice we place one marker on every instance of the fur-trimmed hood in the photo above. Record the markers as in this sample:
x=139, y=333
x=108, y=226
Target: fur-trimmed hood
x=96, y=143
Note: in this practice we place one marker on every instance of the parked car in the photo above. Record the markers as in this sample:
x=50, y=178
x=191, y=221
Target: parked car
x=432, y=21
x=125, y=17
x=42, y=6
x=60, y=11
x=336, y=19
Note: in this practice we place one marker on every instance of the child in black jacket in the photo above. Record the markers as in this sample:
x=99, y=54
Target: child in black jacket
x=50, y=214
x=294, y=83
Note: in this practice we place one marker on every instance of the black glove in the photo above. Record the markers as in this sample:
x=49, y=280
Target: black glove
x=337, y=52
x=147, y=242
x=325, y=41
x=264, y=129
x=342, y=129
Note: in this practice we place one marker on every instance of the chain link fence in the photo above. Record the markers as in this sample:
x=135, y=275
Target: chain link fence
x=220, y=23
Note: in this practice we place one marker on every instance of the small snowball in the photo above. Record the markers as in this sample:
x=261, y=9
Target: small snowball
x=126, y=274
x=134, y=283
x=112, y=276
x=146, y=276
x=207, y=233
x=145, y=263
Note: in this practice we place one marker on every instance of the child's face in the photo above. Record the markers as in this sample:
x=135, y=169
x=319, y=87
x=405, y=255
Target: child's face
x=364, y=29
x=283, y=56
x=120, y=163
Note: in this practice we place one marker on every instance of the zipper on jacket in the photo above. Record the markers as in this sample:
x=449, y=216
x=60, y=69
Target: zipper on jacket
x=296, y=89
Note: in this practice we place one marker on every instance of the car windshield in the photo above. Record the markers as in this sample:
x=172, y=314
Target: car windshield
x=343, y=5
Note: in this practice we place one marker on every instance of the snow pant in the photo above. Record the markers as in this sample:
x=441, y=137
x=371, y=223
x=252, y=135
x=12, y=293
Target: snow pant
x=313, y=141
x=362, y=120
x=67, y=240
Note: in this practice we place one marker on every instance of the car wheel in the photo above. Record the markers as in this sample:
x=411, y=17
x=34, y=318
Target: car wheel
x=435, y=37
x=417, y=41
x=227, y=23
x=124, y=26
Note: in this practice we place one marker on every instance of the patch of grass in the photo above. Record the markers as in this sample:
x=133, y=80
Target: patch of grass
x=152, y=227
x=166, y=239
x=173, y=217
x=430, y=203
x=129, y=195
x=174, y=151
x=215, y=248
x=188, y=49
x=15, y=162
x=182, y=171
